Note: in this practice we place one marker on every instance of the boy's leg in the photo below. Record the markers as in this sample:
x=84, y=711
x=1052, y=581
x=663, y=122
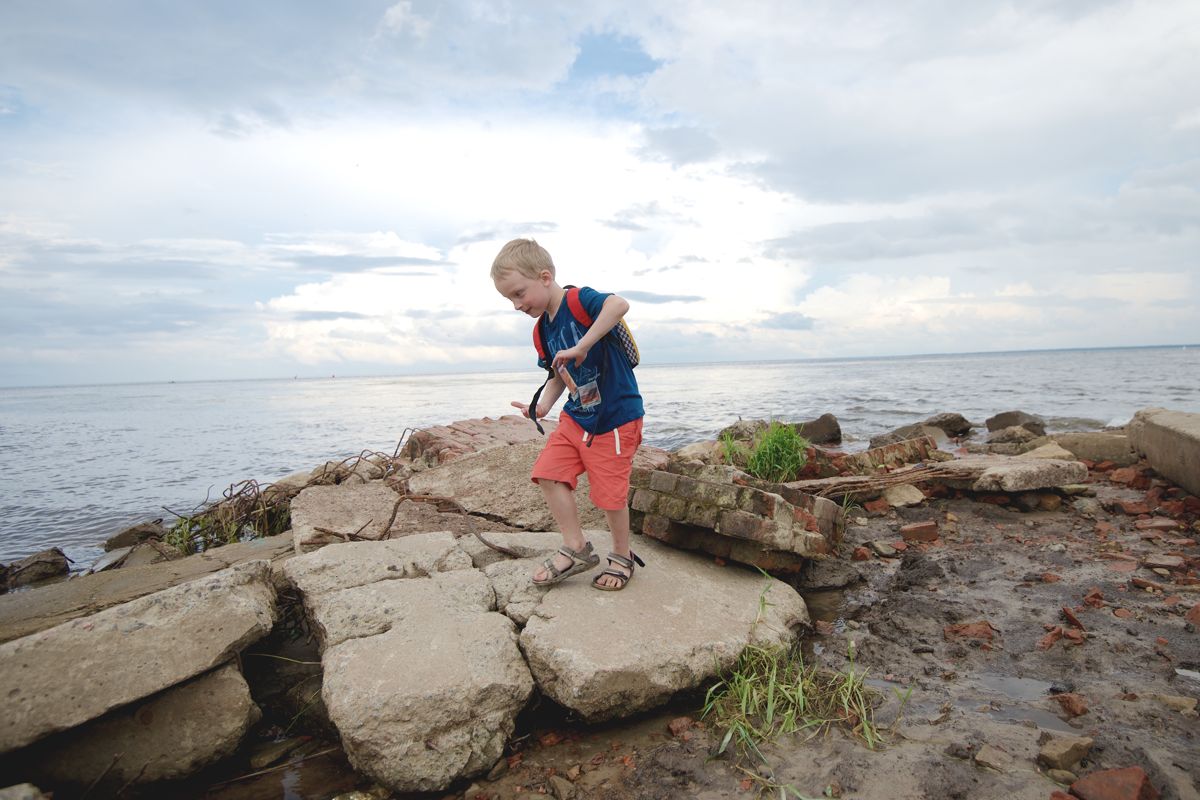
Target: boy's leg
x=561, y=501
x=618, y=524
x=608, y=465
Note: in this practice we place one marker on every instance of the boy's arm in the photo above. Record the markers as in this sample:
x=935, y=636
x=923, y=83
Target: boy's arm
x=611, y=312
x=550, y=394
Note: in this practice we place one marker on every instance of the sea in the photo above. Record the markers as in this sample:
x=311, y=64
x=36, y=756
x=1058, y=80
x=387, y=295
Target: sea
x=79, y=463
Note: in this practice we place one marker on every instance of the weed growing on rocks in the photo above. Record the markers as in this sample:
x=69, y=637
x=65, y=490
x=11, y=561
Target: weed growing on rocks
x=778, y=455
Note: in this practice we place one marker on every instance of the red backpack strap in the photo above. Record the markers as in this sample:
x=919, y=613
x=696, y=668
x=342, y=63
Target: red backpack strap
x=576, y=305
x=537, y=339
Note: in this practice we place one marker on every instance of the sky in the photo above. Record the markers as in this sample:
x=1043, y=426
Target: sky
x=216, y=190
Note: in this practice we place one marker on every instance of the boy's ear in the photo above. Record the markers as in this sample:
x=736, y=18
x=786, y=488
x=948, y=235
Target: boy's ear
x=545, y=277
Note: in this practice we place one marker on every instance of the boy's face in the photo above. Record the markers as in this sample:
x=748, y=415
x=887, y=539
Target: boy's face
x=528, y=295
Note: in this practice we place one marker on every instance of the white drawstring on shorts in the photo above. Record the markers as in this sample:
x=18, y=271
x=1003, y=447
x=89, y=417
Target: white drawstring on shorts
x=617, y=439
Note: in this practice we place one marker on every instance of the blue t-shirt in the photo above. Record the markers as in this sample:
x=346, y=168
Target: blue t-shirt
x=607, y=395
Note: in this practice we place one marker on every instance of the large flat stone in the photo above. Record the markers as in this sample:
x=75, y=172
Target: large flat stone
x=170, y=735
x=42, y=607
x=1170, y=441
x=75, y=672
x=677, y=624
x=1020, y=475
x=428, y=702
x=378, y=607
x=359, y=509
x=342, y=566
x=1094, y=446
x=495, y=483
x=442, y=443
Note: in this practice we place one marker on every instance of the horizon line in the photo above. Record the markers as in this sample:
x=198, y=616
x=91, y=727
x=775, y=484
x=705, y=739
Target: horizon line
x=813, y=359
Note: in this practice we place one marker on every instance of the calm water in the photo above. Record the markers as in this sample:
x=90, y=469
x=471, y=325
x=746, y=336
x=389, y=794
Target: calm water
x=79, y=463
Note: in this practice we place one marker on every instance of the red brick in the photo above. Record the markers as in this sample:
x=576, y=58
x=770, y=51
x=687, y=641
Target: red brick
x=1047, y=641
x=1123, y=613
x=982, y=630
x=879, y=506
x=1073, y=704
x=1156, y=524
x=1069, y=615
x=1128, y=783
x=1132, y=507
x=1050, y=577
x=1173, y=508
x=920, y=531
x=1057, y=795
x=1124, y=475
x=1104, y=466
x=1192, y=504
x=1193, y=615
x=739, y=524
x=861, y=554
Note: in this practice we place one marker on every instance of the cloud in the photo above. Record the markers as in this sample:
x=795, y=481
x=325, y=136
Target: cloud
x=788, y=321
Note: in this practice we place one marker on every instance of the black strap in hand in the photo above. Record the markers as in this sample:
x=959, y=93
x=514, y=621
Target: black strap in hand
x=533, y=404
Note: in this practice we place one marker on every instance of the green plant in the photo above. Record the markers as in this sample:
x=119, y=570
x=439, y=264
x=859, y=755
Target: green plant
x=771, y=691
x=733, y=452
x=778, y=454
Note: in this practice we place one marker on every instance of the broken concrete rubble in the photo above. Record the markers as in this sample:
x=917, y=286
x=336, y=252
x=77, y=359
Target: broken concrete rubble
x=336, y=513
x=423, y=679
x=442, y=443
x=1170, y=441
x=495, y=483
x=64, y=676
x=170, y=735
x=692, y=619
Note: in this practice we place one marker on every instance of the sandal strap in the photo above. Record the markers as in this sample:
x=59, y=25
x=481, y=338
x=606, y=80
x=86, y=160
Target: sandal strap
x=619, y=559
x=626, y=562
x=554, y=571
x=623, y=577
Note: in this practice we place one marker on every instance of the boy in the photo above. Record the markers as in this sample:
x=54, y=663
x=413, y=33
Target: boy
x=601, y=425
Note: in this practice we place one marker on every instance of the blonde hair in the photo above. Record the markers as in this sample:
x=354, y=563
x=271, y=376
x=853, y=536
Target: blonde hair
x=524, y=256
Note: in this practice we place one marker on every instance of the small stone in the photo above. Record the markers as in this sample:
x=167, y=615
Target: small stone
x=1177, y=702
x=882, y=549
x=1057, y=547
x=574, y=772
x=562, y=788
x=860, y=554
x=1064, y=752
x=680, y=725
x=904, y=495
x=1063, y=776
x=993, y=758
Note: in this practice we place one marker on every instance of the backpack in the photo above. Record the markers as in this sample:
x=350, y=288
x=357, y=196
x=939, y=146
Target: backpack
x=620, y=336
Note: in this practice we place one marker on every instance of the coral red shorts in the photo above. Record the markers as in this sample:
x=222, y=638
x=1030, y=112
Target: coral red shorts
x=607, y=462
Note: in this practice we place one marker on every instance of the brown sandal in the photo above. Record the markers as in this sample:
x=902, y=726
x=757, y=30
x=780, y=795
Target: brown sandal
x=623, y=577
x=581, y=561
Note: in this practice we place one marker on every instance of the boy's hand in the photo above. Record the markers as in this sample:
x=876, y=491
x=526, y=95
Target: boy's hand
x=563, y=357
x=525, y=409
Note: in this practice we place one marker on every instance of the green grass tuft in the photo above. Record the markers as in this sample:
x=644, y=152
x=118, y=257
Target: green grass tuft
x=771, y=691
x=778, y=455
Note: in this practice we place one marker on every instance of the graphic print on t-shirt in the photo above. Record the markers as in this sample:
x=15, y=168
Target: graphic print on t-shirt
x=586, y=377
